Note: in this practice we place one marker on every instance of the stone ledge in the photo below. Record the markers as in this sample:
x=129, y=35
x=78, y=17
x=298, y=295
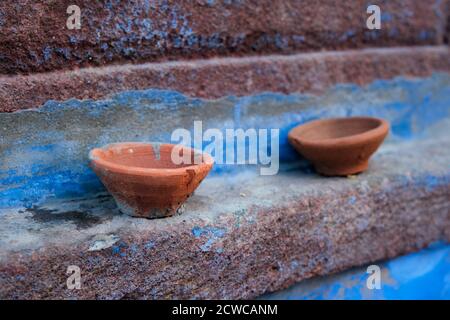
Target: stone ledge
x=308, y=72
x=56, y=138
x=402, y=278
x=241, y=235
x=139, y=31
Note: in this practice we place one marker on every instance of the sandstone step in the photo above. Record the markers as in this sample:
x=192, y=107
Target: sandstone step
x=242, y=234
x=239, y=237
x=213, y=78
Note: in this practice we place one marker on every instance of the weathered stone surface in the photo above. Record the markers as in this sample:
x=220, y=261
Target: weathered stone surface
x=34, y=36
x=241, y=234
x=44, y=152
x=310, y=72
x=239, y=237
x=402, y=278
x=447, y=34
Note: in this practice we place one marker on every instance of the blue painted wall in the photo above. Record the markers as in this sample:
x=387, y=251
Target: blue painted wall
x=44, y=152
x=420, y=275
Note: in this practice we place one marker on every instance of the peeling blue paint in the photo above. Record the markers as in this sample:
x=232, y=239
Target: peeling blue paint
x=426, y=34
x=149, y=245
x=200, y=231
x=47, y=53
x=421, y=275
x=56, y=165
x=20, y=277
x=352, y=200
x=298, y=38
x=386, y=16
x=211, y=234
x=120, y=249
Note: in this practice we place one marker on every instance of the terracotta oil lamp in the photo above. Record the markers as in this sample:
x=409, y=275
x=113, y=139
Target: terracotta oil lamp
x=339, y=146
x=143, y=178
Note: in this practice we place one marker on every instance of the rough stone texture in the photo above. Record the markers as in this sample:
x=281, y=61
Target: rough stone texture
x=447, y=34
x=44, y=152
x=240, y=236
x=34, y=36
x=402, y=278
x=309, y=72
x=447, y=29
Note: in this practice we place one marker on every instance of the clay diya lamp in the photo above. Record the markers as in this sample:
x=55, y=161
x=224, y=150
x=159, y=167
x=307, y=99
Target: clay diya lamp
x=144, y=180
x=339, y=146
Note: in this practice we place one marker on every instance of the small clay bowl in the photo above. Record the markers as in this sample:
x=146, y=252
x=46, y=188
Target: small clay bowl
x=339, y=146
x=144, y=180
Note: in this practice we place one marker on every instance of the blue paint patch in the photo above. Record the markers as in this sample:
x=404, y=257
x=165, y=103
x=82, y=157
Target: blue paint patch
x=432, y=182
x=134, y=248
x=200, y=231
x=212, y=234
x=352, y=200
x=298, y=38
x=393, y=32
x=120, y=249
x=421, y=275
x=20, y=278
x=386, y=16
x=62, y=184
x=47, y=53
x=116, y=249
x=57, y=165
x=64, y=52
x=426, y=34
x=347, y=35
x=149, y=245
